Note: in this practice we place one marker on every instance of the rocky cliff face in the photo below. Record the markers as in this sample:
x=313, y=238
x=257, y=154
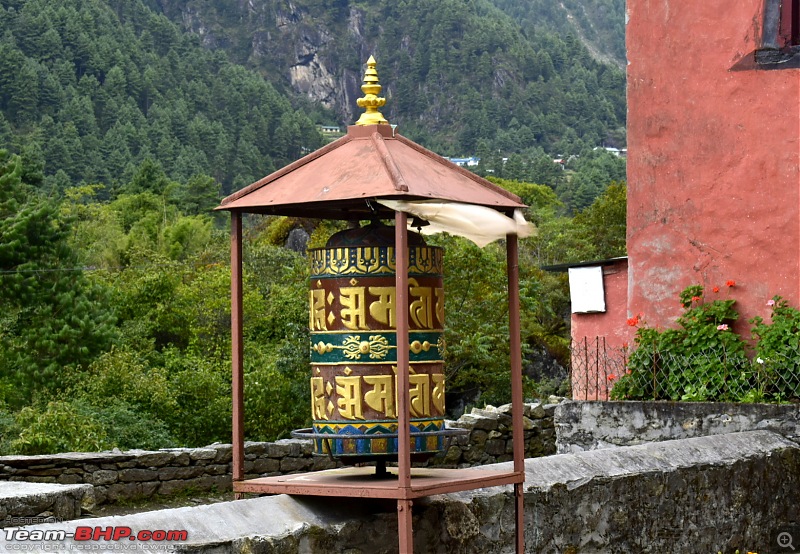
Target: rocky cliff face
x=271, y=34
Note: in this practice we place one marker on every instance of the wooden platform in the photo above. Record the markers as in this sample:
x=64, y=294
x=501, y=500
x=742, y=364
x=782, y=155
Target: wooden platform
x=361, y=482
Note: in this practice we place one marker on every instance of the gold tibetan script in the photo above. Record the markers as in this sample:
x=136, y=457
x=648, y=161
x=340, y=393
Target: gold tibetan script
x=419, y=394
x=420, y=308
x=382, y=309
x=318, y=398
x=354, y=310
x=426, y=395
x=381, y=398
x=349, y=402
x=437, y=396
x=426, y=309
x=317, y=318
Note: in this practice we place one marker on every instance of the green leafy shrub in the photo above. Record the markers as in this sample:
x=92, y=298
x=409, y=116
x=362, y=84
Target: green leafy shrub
x=127, y=428
x=702, y=360
x=58, y=427
x=777, y=360
x=123, y=376
x=276, y=391
x=201, y=386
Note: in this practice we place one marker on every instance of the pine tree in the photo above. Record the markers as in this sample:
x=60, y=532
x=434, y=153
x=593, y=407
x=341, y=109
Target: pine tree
x=54, y=318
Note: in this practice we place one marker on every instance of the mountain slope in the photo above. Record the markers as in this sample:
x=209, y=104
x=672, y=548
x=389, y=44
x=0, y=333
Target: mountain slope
x=90, y=89
x=599, y=24
x=455, y=73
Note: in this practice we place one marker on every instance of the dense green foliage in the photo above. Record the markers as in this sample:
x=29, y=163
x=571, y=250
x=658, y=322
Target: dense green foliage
x=90, y=89
x=777, y=352
x=601, y=23
x=138, y=355
x=702, y=360
x=577, y=181
x=705, y=359
x=51, y=319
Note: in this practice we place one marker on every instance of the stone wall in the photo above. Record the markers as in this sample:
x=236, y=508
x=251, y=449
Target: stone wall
x=134, y=474
x=707, y=494
x=592, y=425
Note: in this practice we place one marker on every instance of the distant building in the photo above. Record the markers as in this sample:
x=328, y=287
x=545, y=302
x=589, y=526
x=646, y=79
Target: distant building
x=618, y=152
x=465, y=162
x=329, y=129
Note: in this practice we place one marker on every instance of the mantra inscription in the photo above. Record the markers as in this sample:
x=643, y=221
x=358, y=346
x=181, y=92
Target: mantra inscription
x=353, y=324
x=341, y=304
x=361, y=394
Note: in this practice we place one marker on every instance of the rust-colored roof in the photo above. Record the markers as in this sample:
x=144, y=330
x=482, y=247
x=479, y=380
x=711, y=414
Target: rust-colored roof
x=341, y=180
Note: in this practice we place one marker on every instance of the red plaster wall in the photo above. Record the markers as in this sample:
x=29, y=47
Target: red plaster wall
x=712, y=159
x=602, y=335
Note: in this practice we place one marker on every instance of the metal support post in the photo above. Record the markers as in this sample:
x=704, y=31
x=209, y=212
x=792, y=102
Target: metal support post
x=518, y=438
x=404, y=531
x=237, y=349
x=403, y=419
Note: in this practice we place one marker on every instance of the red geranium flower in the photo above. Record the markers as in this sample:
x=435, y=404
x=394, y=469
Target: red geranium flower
x=730, y=283
x=715, y=289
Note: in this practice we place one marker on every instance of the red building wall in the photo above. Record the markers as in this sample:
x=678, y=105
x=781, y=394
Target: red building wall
x=713, y=150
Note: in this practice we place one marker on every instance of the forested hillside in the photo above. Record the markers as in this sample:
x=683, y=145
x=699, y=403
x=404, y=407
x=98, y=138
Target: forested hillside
x=91, y=88
x=458, y=74
x=600, y=24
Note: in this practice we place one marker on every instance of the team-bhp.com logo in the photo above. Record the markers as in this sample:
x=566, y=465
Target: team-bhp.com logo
x=97, y=534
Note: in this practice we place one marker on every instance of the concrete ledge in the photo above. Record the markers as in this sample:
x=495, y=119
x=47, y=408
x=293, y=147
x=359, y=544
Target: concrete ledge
x=20, y=501
x=705, y=494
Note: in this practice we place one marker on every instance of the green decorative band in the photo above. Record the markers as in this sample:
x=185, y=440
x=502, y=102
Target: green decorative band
x=373, y=260
x=374, y=347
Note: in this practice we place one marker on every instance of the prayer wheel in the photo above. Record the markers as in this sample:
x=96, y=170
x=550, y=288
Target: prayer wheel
x=354, y=346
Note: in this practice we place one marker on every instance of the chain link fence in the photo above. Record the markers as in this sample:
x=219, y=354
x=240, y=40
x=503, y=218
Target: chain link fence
x=602, y=372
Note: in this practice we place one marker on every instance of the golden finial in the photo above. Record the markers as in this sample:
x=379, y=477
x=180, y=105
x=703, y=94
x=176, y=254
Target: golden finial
x=370, y=102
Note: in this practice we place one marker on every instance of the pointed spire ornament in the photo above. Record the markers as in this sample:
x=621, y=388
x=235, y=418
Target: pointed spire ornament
x=371, y=102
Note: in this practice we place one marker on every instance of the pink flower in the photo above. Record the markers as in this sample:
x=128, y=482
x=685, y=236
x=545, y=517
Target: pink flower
x=723, y=327
x=770, y=302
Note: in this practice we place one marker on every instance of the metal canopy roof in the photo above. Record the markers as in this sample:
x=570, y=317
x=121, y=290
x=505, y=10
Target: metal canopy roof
x=342, y=180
